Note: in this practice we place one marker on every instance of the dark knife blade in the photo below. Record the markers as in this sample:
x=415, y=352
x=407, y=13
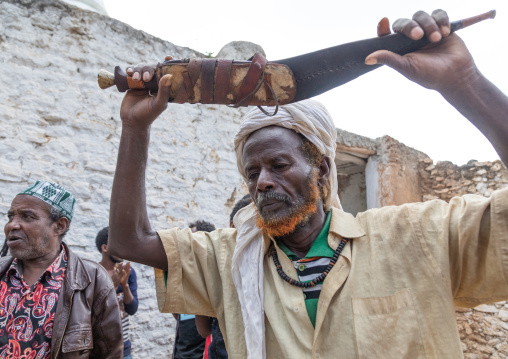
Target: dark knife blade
x=323, y=70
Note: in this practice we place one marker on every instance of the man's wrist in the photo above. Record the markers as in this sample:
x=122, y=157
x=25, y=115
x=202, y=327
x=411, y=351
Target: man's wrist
x=129, y=128
x=470, y=82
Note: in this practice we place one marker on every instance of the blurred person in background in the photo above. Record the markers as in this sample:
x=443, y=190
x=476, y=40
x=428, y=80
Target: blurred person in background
x=124, y=280
x=209, y=326
x=189, y=344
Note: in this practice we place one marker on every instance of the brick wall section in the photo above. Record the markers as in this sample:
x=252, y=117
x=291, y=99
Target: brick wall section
x=484, y=329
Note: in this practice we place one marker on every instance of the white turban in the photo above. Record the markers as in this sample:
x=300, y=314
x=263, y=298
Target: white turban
x=311, y=119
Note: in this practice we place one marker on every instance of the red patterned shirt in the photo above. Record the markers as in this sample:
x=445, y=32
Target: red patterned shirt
x=27, y=312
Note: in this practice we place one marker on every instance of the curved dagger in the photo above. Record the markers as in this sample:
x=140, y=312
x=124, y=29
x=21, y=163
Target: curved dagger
x=314, y=72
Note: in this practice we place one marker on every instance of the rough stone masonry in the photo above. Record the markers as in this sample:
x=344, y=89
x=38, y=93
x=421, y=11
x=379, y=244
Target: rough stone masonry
x=56, y=124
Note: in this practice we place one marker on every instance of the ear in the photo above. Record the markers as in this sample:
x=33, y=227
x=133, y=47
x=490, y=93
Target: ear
x=104, y=248
x=324, y=171
x=61, y=225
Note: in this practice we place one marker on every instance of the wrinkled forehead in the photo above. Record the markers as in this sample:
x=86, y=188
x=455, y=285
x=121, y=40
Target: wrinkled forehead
x=272, y=136
x=271, y=144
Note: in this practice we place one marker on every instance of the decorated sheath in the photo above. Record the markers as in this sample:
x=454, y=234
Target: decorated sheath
x=259, y=82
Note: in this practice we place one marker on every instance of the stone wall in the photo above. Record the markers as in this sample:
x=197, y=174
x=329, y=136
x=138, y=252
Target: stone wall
x=56, y=124
x=445, y=180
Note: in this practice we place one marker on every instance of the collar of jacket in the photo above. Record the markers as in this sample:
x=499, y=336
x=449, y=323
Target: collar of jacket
x=76, y=276
x=76, y=279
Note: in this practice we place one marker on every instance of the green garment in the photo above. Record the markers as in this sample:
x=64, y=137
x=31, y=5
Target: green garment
x=319, y=248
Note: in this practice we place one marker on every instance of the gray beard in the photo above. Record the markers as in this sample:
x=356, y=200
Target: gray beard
x=34, y=251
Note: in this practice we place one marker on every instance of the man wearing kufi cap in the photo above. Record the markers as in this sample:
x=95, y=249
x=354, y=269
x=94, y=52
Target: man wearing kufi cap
x=53, y=303
x=299, y=277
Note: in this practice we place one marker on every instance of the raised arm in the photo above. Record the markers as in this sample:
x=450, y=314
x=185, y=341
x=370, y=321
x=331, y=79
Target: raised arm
x=130, y=234
x=447, y=66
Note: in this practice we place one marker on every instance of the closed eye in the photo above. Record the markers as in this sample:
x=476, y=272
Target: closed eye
x=252, y=176
x=280, y=166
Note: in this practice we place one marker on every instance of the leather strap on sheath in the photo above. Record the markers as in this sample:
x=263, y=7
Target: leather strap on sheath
x=222, y=80
x=214, y=78
x=207, y=79
x=253, y=80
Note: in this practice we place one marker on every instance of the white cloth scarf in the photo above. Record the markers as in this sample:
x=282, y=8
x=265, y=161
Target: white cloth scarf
x=311, y=119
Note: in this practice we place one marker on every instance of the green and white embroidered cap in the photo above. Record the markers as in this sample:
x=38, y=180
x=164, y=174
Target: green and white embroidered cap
x=54, y=195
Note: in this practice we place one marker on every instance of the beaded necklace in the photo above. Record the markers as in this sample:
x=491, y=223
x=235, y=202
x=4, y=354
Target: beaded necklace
x=315, y=281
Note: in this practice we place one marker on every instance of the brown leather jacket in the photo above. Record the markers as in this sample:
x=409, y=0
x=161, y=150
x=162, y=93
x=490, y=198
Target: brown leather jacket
x=87, y=319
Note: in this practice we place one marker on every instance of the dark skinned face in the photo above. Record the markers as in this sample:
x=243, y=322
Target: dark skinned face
x=278, y=174
x=29, y=231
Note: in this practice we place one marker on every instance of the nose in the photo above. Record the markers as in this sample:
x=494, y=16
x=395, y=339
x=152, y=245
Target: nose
x=265, y=181
x=13, y=224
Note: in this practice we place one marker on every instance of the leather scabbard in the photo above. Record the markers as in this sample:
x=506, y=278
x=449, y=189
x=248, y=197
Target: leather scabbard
x=238, y=83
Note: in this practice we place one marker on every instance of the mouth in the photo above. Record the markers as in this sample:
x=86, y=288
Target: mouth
x=13, y=240
x=270, y=205
x=271, y=202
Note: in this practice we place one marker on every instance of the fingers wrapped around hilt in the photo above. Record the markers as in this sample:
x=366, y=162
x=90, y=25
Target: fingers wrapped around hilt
x=383, y=27
x=215, y=81
x=124, y=82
